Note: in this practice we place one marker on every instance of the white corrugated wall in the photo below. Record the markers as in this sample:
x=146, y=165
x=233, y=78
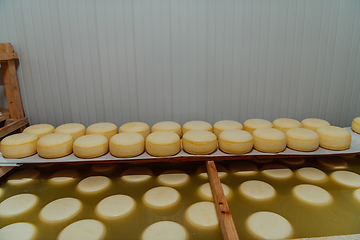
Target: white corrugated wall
x=150, y=60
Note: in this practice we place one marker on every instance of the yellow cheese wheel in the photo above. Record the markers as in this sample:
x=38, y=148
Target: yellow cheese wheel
x=19, y=145
x=199, y=142
x=302, y=139
x=226, y=125
x=103, y=128
x=127, y=144
x=251, y=125
x=40, y=129
x=355, y=125
x=163, y=144
x=314, y=123
x=136, y=127
x=284, y=124
x=334, y=138
x=55, y=145
x=74, y=129
x=91, y=146
x=167, y=126
x=196, y=125
x=235, y=141
x=269, y=140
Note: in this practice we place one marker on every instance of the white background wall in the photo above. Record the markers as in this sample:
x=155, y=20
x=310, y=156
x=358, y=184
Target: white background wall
x=150, y=60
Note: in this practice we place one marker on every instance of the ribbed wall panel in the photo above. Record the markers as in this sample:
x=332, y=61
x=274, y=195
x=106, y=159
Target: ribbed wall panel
x=151, y=60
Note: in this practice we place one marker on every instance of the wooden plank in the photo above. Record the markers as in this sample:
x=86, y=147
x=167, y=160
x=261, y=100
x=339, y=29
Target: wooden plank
x=222, y=208
x=8, y=56
x=4, y=116
x=2, y=47
x=16, y=124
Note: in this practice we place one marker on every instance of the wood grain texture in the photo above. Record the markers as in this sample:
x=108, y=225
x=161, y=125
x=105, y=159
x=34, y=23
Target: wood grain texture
x=12, y=125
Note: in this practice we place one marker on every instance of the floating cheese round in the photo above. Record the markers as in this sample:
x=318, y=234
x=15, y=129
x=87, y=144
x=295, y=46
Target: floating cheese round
x=223, y=125
x=163, y=144
x=243, y=168
x=346, y=178
x=104, y=167
x=277, y=171
x=314, y=123
x=311, y=174
x=334, y=138
x=18, y=204
x=74, y=129
x=199, y=142
x=127, y=144
x=312, y=194
x=19, y=145
x=18, y=231
x=165, y=230
x=55, y=145
x=222, y=171
x=87, y=229
x=161, y=197
x=115, y=207
x=357, y=194
x=293, y=161
x=167, y=126
x=269, y=140
x=104, y=128
x=204, y=191
x=196, y=125
x=63, y=176
x=60, y=210
x=257, y=190
x=136, y=174
x=23, y=176
x=268, y=225
x=251, y=125
x=40, y=129
x=202, y=215
x=173, y=178
x=93, y=184
x=91, y=146
x=136, y=127
x=284, y=124
x=235, y=141
x=333, y=162
x=355, y=125
x=302, y=139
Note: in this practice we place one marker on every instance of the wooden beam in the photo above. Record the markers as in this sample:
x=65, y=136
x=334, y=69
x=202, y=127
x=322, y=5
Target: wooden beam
x=8, y=56
x=14, y=125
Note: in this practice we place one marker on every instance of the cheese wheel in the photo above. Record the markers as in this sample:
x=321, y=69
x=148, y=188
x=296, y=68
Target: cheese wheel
x=293, y=161
x=93, y=184
x=167, y=126
x=63, y=176
x=161, y=197
x=19, y=145
x=357, y=194
x=223, y=125
x=257, y=190
x=269, y=140
x=243, y=168
x=115, y=207
x=163, y=144
x=333, y=162
x=251, y=125
x=136, y=174
x=284, y=124
x=18, y=204
x=127, y=144
x=346, y=178
x=136, y=127
x=103, y=167
x=104, y=128
x=86, y=229
x=355, y=125
x=74, y=129
x=60, y=210
x=314, y=123
x=302, y=139
x=204, y=191
x=235, y=141
x=40, y=129
x=311, y=174
x=55, y=145
x=312, y=194
x=199, y=142
x=268, y=225
x=196, y=125
x=276, y=171
x=173, y=178
x=202, y=215
x=91, y=146
x=18, y=231
x=221, y=170
x=165, y=230
x=23, y=176
x=334, y=138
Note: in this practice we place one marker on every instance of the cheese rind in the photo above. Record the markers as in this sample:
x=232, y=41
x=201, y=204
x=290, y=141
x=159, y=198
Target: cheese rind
x=202, y=215
x=91, y=146
x=136, y=127
x=115, y=207
x=269, y=140
x=163, y=144
x=60, y=210
x=312, y=194
x=251, y=125
x=127, y=144
x=302, y=139
x=19, y=145
x=311, y=174
x=257, y=190
x=235, y=141
x=76, y=130
x=314, y=123
x=196, y=126
x=355, y=125
x=86, y=229
x=334, y=138
x=93, y=184
x=18, y=204
x=18, y=231
x=346, y=178
x=284, y=124
x=199, y=142
x=40, y=130
x=104, y=128
x=167, y=126
x=223, y=125
x=165, y=230
x=55, y=145
x=161, y=197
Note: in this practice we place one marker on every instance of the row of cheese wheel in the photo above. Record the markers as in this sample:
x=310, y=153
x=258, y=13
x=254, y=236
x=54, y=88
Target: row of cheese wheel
x=199, y=137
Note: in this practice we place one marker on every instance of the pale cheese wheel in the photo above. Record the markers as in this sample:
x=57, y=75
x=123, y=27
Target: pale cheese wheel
x=346, y=178
x=104, y=167
x=221, y=170
x=199, y=142
x=173, y=178
x=311, y=174
x=18, y=204
x=40, y=130
x=196, y=126
x=302, y=139
x=223, y=125
x=257, y=190
x=204, y=191
x=333, y=162
x=104, y=128
x=165, y=230
x=202, y=215
x=161, y=197
x=18, y=231
x=314, y=123
x=312, y=194
x=268, y=225
x=115, y=207
x=334, y=138
x=127, y=144
x=269, y=140
x=235, y=141
x=243, y=168
x=86, y=229
x=60, y=210
x=163, y=144
x=284, y=124
x=251, y=125
x=136, y=127
x=277, y=171
x=63, y=176
x=93, y=184
x=76, y=130
x=355, y=125
x=167, y=126
x=55, y=145
x=19, y=145
x=357, y=194
x=23, y=176
x=136, y=174
x=91, y=146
